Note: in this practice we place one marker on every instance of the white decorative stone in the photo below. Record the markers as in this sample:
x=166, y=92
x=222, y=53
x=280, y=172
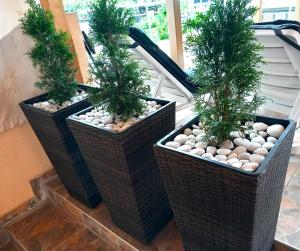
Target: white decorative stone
x=253, y=135
x=196, y=131
x=211, y=149
x=241, y=142
x=275, y=130
x=82, y=117
x=192, y=137
x=232, y=155
x=207, y=155
x=233, y=160
x=244, y=156
x=250, y=166
x=249, y=123
x=244, y=161
x=261, y=151
x=201, y=144
x=272, y=140
x=220, y=157
x=200, y=137
x=181, y=138
x=258, y=139
x=223, y=161
x=223, y=151
x=237, y=164
x=267, y=145
x=253, y=146
x=263, y=134
x=198, y=151
x=227, y=144
x=190, y=143
x=240, y=149
x=256, y=158
x=195, y=127
x=187, y=131
x=213, y=158
x=259, y=126
x=173, y=144
x=184, y=148
x=107, y=120
x=236, y=134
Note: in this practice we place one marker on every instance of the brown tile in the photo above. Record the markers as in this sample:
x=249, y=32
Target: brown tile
x=44, y=229
x=8, y=247
x=84, y=240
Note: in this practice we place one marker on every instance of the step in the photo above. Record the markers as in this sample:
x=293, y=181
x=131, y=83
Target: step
x=47, y=227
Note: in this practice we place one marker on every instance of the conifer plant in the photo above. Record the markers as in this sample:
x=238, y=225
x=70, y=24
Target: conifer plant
x=226, y=59
x=120, y=78
x=51, y=53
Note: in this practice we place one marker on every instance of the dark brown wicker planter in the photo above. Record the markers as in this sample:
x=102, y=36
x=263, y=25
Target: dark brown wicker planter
x=61, y=148
x=219, y=207
x=126, y=172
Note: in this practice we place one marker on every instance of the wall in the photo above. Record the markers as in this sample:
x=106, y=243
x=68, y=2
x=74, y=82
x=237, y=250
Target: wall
x=21, y=159
x=21, y=155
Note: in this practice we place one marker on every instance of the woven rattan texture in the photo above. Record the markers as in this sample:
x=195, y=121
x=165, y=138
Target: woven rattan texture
x=126, y=172
x=62, y=150
x=219, y=208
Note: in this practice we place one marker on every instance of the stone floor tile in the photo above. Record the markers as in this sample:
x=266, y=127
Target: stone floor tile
x=294, y=239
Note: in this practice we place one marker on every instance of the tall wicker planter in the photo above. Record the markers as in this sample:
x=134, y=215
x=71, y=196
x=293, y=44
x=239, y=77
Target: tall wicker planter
x=61, y=148
x=126, y=172
x=219, y=207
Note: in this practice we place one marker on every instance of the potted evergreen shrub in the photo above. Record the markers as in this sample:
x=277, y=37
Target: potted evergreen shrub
x=116, y=135
x=224, y=170
x=47, y=113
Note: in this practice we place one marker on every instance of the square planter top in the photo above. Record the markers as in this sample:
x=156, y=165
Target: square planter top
x=289, y=125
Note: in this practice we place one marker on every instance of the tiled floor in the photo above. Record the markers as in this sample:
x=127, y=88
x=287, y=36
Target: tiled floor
x=288, y=228
x=49, y=228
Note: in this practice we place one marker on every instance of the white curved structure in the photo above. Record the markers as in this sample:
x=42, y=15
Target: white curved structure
x=281, y=72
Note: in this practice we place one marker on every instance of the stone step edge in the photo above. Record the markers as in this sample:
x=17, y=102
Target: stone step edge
x=103, y=231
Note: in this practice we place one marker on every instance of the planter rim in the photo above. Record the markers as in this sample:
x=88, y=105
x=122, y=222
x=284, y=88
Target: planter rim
x=167, y=103
x=43, y=95
x=260, y=170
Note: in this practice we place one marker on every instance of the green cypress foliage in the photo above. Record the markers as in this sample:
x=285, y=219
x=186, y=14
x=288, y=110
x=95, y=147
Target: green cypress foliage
x=120, y=78
x=51, y=53
x=226, y=60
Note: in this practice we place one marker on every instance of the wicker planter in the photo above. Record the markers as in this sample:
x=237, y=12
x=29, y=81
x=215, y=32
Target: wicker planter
x=219, y=207
x=126, y=172
x=61, y=148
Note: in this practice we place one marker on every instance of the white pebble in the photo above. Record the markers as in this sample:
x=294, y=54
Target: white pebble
x=201, y=144
x=187, y=131
x=190, y=143
x=198, y=151
x=223, y=151
x=220, y=157
x=261, y=151
x=256, y=158
x=173, y=144
x=207, y=155
x=250, y=166
x=82, y=117
x=263, y=134
x=253, y=135
x=223, y=161
x=237, y=164
x=232, y=155
x=227, y=144
x=184, y=148
x=258, y=139
x=196, y=131
x=181, y=138
x=259, y=126
x=275, y=130
x=244, y=156
x=236, y=134
x=233, y=160
x=211, y=149
x=195, y=127
x=240, y=149
x=241, y=142
x=200, y=137
x=253, y=146
x=268, y=145
x=272, y=140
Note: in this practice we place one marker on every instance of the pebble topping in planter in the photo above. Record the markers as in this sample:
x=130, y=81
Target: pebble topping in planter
x=244, y=150
x=51, y=106
x=100, y=118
